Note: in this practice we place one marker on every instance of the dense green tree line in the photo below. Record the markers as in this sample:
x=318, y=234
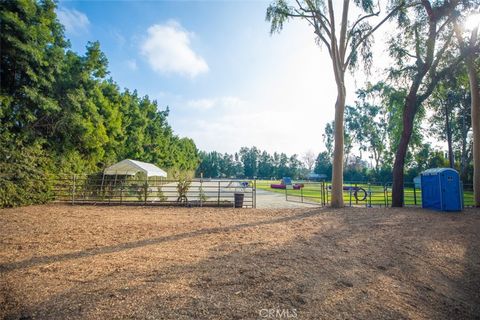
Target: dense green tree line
x=249, y=163
x=61, y=113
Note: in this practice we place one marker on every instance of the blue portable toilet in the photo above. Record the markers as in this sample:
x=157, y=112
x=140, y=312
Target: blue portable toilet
x=441, y=189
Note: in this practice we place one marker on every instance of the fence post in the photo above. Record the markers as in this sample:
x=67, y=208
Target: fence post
x=356, y=198
x=321, y=194
x=218, y=199
x=286, y=195
x=301, y=193
x=146, y=191
x=84, y=190
x=255, y=193
x=324, y=200
x=112, y=190
x=370, y=194
x=326, y=188
x=73, y=191
x=350, y=196
x=385, y=188
x=414, y=194
x=101, y=188
x=121, y=191
x=201, y=194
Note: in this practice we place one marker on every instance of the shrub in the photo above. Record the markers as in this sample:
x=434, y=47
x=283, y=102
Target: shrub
x=23, y=174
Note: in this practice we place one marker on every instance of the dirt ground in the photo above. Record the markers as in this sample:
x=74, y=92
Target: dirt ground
x=72, y=262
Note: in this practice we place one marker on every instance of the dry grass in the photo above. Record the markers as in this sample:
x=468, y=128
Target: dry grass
x=60, y=262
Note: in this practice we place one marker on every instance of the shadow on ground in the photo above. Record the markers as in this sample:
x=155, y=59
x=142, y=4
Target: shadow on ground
x=345, y=265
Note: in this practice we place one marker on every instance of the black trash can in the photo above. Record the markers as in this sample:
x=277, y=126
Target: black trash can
x=239, y=199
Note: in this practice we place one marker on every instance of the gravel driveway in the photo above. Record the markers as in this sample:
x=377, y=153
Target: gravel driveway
x=273, y=200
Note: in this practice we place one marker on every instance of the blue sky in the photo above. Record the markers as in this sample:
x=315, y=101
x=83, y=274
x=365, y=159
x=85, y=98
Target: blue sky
x=228, y=83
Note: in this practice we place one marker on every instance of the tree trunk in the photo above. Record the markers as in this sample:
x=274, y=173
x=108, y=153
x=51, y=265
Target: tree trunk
x=412, y=100
x=448, y=128
x=409, y=111
x=337, y=168
x=464, y=156
x=376, y=157
x=475, y=105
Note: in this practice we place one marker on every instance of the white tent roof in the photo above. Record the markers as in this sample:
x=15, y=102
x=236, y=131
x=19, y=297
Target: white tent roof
x=131, y=167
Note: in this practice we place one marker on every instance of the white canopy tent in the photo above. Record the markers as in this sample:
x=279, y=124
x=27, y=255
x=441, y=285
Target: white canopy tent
x=132, y=167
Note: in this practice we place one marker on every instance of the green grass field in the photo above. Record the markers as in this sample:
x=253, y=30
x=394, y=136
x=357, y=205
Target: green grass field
x=376, y=194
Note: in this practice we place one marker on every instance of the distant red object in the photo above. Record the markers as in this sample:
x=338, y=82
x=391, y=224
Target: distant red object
x=277, y=186
x=296, y=186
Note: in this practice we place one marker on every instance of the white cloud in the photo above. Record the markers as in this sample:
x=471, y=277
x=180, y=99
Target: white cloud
x=214, y=103
x=75, y=22
x=201, y=104
x=167, y=49
x=132, y=64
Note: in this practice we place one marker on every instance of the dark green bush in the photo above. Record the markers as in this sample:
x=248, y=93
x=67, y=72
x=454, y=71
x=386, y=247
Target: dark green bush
x=23, y=174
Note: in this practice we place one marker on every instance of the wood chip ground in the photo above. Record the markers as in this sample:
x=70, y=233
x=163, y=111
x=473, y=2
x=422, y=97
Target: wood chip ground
x=87, y=262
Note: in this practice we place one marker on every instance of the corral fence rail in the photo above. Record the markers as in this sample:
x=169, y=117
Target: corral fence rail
x=361, y=193
x=125, y=190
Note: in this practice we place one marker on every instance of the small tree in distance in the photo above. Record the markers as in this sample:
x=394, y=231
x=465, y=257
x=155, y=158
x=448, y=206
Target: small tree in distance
x=344, y=47
x=309, y=160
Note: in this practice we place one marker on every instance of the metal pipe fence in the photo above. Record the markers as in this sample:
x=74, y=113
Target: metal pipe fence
x=368, y=194
x=125, y=190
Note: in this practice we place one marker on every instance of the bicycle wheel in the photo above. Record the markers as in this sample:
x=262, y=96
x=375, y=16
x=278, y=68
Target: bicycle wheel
x=360, y=192
x=183, y=200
